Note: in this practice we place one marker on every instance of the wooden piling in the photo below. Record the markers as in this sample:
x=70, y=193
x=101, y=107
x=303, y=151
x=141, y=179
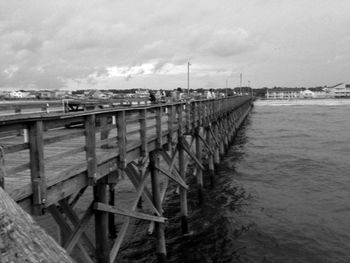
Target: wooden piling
x=101, y=224
x=159, y=227
x=182, y=170
x=199, y=174
x=210, y=159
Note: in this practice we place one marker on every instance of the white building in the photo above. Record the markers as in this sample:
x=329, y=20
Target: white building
x=283, y=93
x=307, y=94
x=341, y=90
x=16, y=94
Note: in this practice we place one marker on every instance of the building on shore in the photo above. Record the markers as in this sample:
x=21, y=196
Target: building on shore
x=340, y=90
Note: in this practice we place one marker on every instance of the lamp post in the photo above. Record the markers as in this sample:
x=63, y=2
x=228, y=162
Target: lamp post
x=188, y=78
x=240, y=83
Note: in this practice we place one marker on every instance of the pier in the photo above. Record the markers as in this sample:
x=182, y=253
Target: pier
x=49, y=161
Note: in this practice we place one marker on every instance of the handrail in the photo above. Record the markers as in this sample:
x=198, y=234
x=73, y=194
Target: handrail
x=47, y=143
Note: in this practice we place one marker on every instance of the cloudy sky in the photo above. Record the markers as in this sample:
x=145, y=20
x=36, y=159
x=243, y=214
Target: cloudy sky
x=147, y=43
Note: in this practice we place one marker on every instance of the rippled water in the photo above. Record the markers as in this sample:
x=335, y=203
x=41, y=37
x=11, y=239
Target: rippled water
x=282, y=193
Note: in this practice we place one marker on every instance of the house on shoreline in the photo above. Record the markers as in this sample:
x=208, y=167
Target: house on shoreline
x=340, y=90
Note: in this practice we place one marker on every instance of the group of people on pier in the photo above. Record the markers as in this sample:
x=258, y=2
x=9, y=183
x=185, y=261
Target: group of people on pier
x=160, y=96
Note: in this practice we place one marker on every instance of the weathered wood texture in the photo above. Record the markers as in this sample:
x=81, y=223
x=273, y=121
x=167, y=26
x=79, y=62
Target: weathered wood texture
x=22, y=240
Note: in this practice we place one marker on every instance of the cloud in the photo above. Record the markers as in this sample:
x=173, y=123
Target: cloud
x=47, y=44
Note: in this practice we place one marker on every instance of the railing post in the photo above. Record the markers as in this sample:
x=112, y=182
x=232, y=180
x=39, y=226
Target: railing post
x=188, y=117
x=37, y=166
x=90, y=142
x=143, y=132
x=159, y=128
x=171, y=121
x=121, y=127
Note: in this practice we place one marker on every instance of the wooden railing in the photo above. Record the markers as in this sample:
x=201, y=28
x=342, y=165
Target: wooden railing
x=47, y=153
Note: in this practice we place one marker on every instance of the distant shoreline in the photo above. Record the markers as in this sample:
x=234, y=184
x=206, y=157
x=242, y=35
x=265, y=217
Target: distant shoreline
x=301, y=102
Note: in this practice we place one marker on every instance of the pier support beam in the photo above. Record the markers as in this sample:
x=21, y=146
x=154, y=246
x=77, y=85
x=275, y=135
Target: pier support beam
x=199, y=174
x=183, y=192
x=159, y=227
x=101, y=223
x=210, y=159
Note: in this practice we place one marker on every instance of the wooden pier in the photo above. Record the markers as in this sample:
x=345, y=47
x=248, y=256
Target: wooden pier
x=47, y=167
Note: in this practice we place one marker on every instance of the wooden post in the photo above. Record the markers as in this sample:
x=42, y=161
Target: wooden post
x=111, y=216
x=37, y=167
x=101, y=224
x=159, y=128
x=143, y=132
x=220, y=136
x=226, y=132
x=159, y=227
x=90, y=141
x=2, y=168
x=217, y=149
x=104, y=131
x=121, y=126
x=182, y=167
x=199, y=171
x=210, y=159
x=171, y=121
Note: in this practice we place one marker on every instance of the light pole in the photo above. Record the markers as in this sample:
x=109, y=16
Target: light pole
x=188, y=78
x=240, y=83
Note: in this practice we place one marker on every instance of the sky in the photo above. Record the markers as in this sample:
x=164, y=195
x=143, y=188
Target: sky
x=123, y=44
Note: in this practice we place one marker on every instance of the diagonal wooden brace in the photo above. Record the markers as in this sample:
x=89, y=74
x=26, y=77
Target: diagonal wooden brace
x=129, y=213
x=213, y=135
x=139, y=184
x=176, y=179
x=206, y=144
x=187, y=148
x=79, y=230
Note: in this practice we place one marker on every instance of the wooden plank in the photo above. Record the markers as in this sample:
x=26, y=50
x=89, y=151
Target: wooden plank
x=65, y=154
x=63, y=137
x=18, y=169
x=16, y=147
x=37, y=167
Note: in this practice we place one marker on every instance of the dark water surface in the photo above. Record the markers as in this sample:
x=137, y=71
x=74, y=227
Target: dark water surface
x=282, y=193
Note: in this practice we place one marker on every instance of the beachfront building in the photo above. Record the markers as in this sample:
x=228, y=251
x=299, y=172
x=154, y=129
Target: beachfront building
x=307, y=94
x=16, y=94
x=341, y=90
x=283, y=93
